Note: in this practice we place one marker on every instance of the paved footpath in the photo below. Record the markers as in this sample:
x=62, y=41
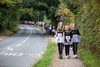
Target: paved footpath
x=71, y=62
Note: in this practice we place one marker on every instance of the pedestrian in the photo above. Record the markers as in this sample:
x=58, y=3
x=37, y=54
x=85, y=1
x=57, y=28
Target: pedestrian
x=70, y=29
x=75, y=39
x=59, y=38
x=53, y=31
x=67, y=41
x=50, y=30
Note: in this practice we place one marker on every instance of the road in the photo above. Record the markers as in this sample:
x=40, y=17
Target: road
x=19, y=49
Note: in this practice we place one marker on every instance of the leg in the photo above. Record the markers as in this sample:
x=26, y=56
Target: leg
x=60, y=50
x=67, y=48
x=75, y=49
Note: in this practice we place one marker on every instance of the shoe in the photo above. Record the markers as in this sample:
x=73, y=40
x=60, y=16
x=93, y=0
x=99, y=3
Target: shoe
x=60, y=57
x=67, y=56
x=75, y=56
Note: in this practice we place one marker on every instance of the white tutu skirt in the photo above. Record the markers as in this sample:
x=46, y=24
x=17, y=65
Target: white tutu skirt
x=59, y=39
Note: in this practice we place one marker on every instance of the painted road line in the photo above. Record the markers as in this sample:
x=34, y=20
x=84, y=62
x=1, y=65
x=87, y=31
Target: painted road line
x=13, y=54
x=2, y=52
x=9, y=48
x=25, y=39
x=17, y=54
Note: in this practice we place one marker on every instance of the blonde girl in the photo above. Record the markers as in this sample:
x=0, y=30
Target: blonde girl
x=67, y=41
x=75, y=38
x=59, y=38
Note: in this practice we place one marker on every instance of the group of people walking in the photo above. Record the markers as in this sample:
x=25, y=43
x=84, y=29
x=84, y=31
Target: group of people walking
x=67, y=36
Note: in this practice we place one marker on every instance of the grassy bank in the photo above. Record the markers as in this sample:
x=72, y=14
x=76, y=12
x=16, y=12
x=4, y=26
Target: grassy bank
x=9, y=32
x=89, y=59
x=14, y=30
x=47, y=57
x=38, y=27
x=6, y=33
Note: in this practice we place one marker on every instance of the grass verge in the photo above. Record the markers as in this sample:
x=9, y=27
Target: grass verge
x=38, y=27
x=89, y=59
x=14, y=30
x=47, y=57
x=6, y=33
x=9, y=32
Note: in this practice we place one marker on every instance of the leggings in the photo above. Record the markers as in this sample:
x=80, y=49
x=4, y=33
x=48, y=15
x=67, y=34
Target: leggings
x=75, y=48
x=67, y=48
x=60, y=48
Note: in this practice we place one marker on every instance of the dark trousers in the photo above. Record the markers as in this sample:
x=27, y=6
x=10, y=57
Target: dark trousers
x=67, y=48
x=50, y=32
x=75, y=48
x=60, y=48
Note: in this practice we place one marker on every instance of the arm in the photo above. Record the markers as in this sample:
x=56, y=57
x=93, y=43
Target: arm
x=63, y=37
x=79, y=36
x=55, y=36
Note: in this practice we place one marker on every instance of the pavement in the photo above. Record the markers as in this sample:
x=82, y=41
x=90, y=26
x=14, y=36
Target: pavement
x=65, y=62
x=22, y=48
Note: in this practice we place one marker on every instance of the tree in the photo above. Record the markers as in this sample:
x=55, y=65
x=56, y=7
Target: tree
x=87, y=18
x=65, y=12
x=9, y=14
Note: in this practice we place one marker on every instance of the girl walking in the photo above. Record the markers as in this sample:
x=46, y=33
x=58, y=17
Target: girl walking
x=59, y=38
x=67, y=41
x=70, y=29
x=75, y=39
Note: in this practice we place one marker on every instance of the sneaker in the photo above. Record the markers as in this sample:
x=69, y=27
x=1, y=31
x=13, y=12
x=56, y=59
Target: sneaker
x=60, y=57
x=67, y=56
x=75, y=56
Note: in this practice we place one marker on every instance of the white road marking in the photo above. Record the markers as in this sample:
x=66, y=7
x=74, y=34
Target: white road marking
x=13, y=54
x=9, y=48
x=25, y=39
x=2, y=52
x=17, y=54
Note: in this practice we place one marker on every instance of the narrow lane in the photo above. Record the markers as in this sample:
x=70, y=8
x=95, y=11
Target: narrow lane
x=19, y=50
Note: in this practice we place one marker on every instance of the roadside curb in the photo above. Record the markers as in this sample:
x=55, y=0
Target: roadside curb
x=40, y=55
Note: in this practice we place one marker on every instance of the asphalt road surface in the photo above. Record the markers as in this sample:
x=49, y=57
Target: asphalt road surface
x=18, y=50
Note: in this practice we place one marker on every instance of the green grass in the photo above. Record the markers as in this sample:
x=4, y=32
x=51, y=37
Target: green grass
x=9, y=32
x=89, y=59
x=47, y=57
x=6, y=33
x=14, y=30
x=38, y=27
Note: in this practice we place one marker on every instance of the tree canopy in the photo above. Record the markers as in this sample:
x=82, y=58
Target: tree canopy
x=11, y=11
x=87, y=18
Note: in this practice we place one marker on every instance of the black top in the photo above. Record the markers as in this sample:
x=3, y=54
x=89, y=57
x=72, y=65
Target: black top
x=60, y=31
x=68, y=34
x=76, y=31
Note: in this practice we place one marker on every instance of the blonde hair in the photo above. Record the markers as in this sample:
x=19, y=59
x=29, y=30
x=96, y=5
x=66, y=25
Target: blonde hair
x=66, y=26
x=71, y=25
x=62, y=27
